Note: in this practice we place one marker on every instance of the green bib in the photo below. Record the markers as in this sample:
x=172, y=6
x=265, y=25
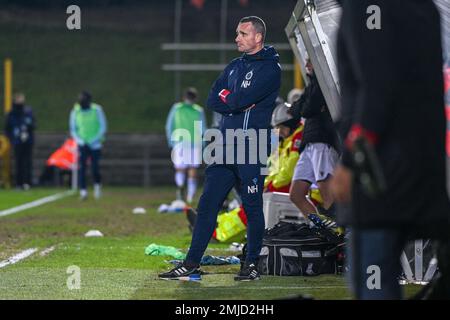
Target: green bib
x=87, y=122
x=185, y=117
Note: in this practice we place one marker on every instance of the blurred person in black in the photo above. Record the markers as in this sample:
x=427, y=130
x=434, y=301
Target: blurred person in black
x=390, y=87
x=20, y=126
x=318, y=153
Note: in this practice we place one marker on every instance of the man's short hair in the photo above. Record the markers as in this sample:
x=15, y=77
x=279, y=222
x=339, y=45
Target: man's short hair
x=191, y=94
x=258, y=24
x=86, y=95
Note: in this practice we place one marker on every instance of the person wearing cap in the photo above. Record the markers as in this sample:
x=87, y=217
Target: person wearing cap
x=186, y=117
x=20, y=126
x=88, y=127
x=281, y=165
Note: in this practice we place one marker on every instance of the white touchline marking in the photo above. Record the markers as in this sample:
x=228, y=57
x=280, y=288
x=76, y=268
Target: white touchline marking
x=260, y=288
x=296, y=288
x=20, y=256
x=36, y=203
x=45, y=252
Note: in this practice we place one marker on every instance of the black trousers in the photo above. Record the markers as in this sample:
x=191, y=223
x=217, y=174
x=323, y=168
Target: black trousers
x=23, y=163
x=85, y=153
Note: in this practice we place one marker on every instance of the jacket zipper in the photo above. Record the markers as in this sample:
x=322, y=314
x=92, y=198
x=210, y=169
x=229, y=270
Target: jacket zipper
x=246, y=119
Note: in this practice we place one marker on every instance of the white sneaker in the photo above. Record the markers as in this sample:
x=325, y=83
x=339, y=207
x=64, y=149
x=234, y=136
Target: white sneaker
x=97, y=191
x=83, y=194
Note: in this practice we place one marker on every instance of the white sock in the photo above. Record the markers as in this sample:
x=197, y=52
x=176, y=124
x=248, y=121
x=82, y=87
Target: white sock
x=97, y=191
x=83, y=193
x=191, y=189
x=180, y=176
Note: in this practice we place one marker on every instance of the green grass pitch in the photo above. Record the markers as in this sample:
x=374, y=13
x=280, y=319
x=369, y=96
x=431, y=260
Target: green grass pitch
x=115, y=266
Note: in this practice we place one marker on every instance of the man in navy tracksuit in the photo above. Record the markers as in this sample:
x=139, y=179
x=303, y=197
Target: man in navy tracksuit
x=20, y=126
x=245, y=95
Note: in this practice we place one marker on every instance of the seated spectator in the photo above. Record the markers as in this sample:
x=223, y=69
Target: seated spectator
x=282, y=163
x=63, y=160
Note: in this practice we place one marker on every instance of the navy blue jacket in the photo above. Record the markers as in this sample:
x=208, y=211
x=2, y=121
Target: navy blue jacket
x=251, y=80
x=20, y=126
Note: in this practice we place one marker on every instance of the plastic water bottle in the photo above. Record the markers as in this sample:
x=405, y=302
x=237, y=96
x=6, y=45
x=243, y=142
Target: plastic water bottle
x=192, y=277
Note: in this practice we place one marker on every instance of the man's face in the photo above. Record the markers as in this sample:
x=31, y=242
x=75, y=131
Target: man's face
x=19, y=99
x=247, y=40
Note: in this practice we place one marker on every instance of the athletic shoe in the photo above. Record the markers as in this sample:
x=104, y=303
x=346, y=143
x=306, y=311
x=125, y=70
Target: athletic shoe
x=327, y=227
x=180, y=272
x=323, y=221
x=248, y=272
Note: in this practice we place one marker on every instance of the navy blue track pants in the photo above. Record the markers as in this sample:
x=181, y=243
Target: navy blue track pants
x=219, y=180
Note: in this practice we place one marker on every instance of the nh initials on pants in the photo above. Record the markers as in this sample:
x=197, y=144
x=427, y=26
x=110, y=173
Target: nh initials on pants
x=253, y=189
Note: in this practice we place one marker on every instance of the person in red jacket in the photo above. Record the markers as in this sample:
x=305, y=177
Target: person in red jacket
x=63, y=159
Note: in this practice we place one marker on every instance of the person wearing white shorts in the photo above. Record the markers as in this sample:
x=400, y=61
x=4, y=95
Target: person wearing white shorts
x=184, y=129
x=318, y=152
x=316, y=163
x=314, y=167
x=185, y=156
